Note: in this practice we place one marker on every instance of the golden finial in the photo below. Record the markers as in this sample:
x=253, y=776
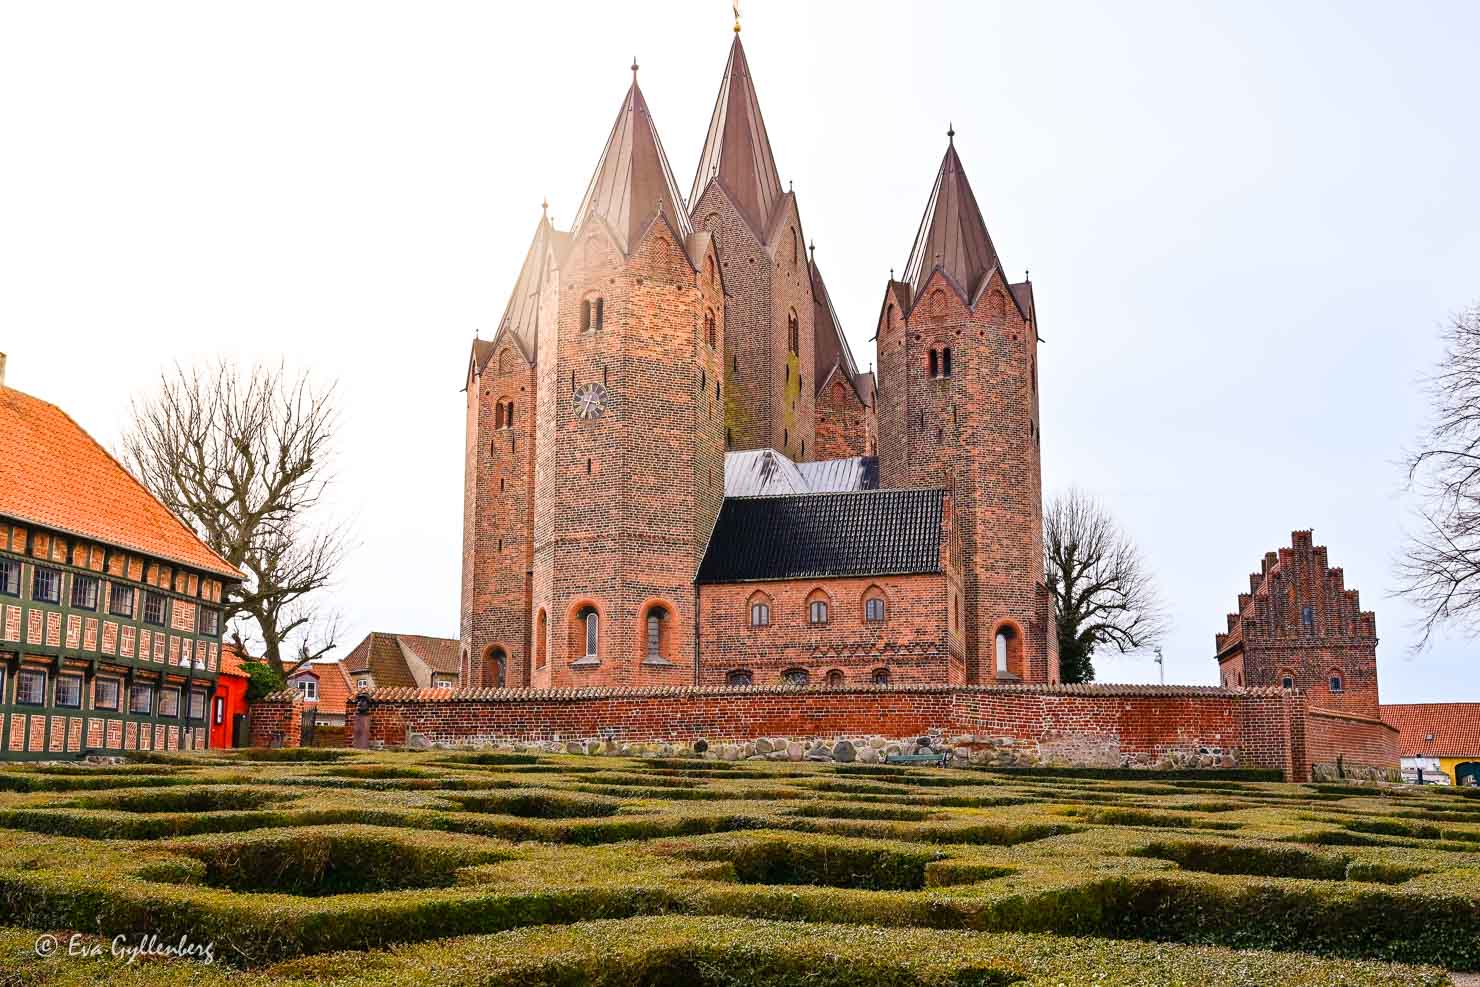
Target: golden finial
x=736, y=7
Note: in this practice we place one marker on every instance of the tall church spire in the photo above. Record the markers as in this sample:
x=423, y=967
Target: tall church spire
x=737, y=152
x=953, y=236
x=633, y=181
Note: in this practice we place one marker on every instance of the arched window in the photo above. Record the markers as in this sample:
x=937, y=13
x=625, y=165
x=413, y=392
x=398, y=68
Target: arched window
x=541, y=639
x=793, y=332
x=945, y=362
x=592, y=622
x=873, y=610
x=835, y=678
x=709, y=267
x=795, y=676
x=839, y=392
x=711, y=335
x=1009, y=651
x=817, y=611
x=505, y=361
x=934, y=363
x=793, y=247
x=1337, y=682
x=494, y=667
x=880, y=676
x=1287, y=679
x=760, y=611
x=655, y=629
x=739, y=677
x=593, y=314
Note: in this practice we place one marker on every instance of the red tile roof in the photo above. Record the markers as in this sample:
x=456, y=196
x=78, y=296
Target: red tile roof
x=57, y=476
x=1455, y=728
x=440, y=653
x=231, y=661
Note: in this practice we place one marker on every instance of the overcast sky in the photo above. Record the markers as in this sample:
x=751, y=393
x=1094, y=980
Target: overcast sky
x=1245, y=224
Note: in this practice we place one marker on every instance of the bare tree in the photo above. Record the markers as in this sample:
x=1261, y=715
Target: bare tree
x=1440, y=566
x=1103, y=592
x=244, y=459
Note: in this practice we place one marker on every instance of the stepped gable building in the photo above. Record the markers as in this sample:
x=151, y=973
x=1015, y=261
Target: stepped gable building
x=1299, y=627
x=666, y=361
x=110, y=607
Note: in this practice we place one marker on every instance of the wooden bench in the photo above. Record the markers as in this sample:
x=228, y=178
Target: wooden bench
x=939, y=760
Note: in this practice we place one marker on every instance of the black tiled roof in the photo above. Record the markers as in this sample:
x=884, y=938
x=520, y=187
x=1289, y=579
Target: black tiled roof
x=858, y=533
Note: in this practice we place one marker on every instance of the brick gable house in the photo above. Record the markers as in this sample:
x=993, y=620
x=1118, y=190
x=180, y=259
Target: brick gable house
x=111, y=609
x=1299, y=627
x=664, y=358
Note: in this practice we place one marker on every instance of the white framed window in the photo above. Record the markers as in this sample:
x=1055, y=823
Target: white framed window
x=30, y=687
x=46, y=585
x=84, y=592
x=1337, y=684
x=69, y=691
x=442, y=682
x=105, y=694
x=10, y=577
x=120, y=600
x=362, y=683
x=154, y=608
x=309, y=689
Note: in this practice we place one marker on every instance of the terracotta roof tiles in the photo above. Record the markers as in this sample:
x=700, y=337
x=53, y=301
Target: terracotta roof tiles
x=56, y=476
x=1455, y=728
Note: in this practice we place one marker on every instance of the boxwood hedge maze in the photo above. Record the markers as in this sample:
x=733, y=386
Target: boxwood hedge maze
x=307, y=866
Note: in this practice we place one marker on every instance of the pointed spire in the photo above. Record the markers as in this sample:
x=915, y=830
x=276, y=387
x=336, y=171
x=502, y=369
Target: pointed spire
x=521, y=316
x=952, y=236
x=633, y=181
x=737, y=151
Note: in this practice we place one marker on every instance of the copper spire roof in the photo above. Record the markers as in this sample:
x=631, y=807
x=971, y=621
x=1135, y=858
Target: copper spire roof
x=633, y=181
x=953, y=235
x=737, y=152
x=521, y=317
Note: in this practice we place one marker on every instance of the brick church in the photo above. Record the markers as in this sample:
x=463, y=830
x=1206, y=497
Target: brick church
x=677, y=474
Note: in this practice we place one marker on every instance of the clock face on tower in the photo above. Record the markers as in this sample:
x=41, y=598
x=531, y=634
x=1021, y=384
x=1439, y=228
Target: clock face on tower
x=590, y=400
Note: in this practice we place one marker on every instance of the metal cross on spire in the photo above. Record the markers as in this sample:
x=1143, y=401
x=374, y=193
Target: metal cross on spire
x=634, y=68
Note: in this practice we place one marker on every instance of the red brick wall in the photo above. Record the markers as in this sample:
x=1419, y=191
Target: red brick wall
x=277, y=720
x=498, y=519
x=976, y=432
x=912, y=643
x=1076, y=724
x=769, y=393
x=625, y=502
x=1358, y=740
x=842, y=420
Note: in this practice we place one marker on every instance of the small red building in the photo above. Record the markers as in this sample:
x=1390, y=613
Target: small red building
x=230, y=699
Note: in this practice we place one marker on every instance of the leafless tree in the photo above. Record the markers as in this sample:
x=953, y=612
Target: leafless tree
x=243, y=457
x=1104, y=594
x=1440, y=566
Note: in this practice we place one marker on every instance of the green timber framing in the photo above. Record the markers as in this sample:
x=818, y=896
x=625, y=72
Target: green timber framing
x=99, y=645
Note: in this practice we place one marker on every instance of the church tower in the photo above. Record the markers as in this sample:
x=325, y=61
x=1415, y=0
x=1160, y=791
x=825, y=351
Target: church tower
x=770, y=372
x=958, y=406
x=629, y=443
x=498, y=478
